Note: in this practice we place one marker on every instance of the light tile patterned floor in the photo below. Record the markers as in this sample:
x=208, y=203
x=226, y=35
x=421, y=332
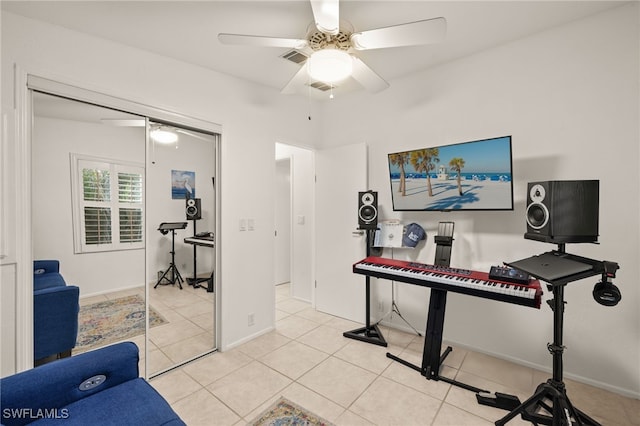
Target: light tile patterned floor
x=188, y=332
x=308, y=361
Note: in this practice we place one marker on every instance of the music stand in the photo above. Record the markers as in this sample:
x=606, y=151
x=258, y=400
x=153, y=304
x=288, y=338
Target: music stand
x=164, y=228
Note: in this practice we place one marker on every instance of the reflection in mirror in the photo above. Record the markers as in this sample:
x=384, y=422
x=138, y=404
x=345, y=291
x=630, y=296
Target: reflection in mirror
x=88, y=171
x=181, y=254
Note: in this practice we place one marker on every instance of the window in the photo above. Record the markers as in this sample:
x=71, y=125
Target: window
x=108, y=198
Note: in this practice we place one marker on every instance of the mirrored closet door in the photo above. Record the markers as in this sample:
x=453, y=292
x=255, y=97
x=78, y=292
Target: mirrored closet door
x=119, y=210
x=88, y=167
x=181, y=244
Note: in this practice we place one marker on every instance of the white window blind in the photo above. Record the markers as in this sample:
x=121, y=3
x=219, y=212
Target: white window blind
x=108, y=197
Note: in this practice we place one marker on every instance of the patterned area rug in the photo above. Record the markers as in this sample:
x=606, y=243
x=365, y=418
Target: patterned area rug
x=111, y=321
x=285, y=412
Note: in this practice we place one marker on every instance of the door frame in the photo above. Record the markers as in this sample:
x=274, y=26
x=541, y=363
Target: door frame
x=289, y=160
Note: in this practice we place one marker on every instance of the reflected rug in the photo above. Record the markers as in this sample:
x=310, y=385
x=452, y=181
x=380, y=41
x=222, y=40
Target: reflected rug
x=111, y=321
x=285, y=412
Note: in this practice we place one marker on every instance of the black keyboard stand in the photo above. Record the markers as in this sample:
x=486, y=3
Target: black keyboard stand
x=431, y=358
x=370, y=333
x=195, y=281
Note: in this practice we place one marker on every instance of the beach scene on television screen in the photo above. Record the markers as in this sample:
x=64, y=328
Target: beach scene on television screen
x=466, y=176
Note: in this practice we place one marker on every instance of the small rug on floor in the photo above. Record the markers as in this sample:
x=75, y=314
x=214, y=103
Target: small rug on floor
x=111, y=321
x=284, y=412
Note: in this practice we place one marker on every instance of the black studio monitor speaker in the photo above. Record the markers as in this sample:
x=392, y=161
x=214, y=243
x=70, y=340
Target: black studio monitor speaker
x=563, y=211
x=193, y=209
x=367, y=210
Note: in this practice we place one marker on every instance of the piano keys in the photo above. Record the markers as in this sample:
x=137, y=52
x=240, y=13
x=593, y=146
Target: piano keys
x=200, y=241
x=474, y=283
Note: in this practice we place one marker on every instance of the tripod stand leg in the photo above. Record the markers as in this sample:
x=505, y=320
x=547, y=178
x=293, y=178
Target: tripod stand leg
x=164, y=276
x=179, y=278
x=175, y=276
x=394, y=308
x=533, y=400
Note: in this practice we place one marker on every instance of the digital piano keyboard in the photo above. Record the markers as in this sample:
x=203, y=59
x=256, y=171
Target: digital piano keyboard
x=474, y=283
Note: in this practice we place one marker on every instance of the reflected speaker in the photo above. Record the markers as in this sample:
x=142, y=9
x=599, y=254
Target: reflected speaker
x=367, y=210
x=193, y=209
x=563, y=211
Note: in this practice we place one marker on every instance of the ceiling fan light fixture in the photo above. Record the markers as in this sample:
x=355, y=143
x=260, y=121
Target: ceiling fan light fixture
x=163, y=135
x=330, y=65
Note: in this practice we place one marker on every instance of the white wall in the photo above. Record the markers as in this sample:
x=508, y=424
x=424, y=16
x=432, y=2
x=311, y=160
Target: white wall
x=53, y=141
x=253, y=119
x=569, y=97
x=190, y=154
x=303, y=176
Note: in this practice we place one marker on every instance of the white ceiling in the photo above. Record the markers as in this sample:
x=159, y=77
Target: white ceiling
x=187, y=30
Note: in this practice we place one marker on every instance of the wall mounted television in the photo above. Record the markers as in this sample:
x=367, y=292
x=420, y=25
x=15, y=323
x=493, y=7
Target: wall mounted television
x=474, y=175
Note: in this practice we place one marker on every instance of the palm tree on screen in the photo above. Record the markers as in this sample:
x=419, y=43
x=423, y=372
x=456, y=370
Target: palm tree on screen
x=457, y=164
x=400, y=159
x=424, y=160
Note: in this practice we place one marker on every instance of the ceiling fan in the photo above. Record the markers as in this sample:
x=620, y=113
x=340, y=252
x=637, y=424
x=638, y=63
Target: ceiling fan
x=331, y=46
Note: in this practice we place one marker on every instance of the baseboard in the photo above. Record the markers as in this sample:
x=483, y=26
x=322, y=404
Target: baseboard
x=547, y=369
x=115, y=290
x=229, y=346
x=544, y=368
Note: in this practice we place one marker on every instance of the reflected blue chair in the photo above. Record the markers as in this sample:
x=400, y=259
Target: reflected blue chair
x=55, y=312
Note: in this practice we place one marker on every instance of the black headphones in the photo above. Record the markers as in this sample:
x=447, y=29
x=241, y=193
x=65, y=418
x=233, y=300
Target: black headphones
x=605, y=292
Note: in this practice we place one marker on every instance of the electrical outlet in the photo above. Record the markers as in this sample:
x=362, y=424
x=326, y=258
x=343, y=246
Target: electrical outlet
x=251, y=320
x=380, y=306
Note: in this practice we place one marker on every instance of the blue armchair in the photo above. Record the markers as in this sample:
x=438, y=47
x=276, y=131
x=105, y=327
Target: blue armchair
x=46, y=273
x=55, y=312
x=99, y=387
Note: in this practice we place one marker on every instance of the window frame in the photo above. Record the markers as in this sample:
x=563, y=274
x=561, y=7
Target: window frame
x=114, y=166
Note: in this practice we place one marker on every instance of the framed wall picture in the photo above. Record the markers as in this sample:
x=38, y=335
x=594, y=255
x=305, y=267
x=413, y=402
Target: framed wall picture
x=183, y=184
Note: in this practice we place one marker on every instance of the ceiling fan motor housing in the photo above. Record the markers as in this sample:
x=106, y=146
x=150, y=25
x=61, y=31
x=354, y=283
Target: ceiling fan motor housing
x=319, y=41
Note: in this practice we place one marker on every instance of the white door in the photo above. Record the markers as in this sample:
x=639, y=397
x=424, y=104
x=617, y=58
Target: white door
x=283, y=221
x=340, y=174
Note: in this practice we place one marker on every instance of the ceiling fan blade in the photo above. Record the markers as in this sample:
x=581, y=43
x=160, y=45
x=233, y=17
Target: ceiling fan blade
x=326, y=15
x=298, y=80
x=414, y=33
x=252, y=40
x=367, y=77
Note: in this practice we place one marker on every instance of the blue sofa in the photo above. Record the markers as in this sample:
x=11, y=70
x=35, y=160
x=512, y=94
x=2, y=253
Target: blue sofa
x=99, y=387
x=55, y=312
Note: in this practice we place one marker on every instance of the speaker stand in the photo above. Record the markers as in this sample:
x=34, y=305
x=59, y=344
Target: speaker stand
x=550, y=405
x=370, y=333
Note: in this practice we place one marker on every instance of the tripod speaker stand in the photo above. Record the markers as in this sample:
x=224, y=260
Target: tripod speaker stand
x=164, y=228
x=550, y=404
